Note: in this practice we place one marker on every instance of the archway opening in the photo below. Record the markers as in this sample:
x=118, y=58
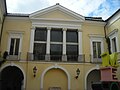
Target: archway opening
x=11, y=78
x=55, y=79
x=93, y=76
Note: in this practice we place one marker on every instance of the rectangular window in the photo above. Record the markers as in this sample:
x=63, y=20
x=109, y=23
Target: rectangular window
x=56, y=51
x=96, y=49
x=39, y=51
x=72, y=36
x=114, y=48
x=56, y=35
x=72, y=52
x=40, y=34
x=14, y=46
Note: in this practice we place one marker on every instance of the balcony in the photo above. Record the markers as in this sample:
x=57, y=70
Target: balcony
x=14, y=57
x=95, y=60
x=56, y=58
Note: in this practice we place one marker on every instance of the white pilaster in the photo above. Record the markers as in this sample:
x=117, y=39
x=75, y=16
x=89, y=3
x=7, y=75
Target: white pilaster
x=32, y=40
x=80, y=54
x=64, y=40
x=48, y=41
x=80, y=41
x=47, y=56
x=64, y=57
x=30, y=54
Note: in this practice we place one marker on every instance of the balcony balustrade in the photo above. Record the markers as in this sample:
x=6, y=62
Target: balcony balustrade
x=14, y=57
x=56, y=58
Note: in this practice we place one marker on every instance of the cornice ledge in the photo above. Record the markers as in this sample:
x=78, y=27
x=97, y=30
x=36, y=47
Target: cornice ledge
x=50, y=19
x=96, y=35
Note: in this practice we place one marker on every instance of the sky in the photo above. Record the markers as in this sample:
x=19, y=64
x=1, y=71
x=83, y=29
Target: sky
x=87, y=8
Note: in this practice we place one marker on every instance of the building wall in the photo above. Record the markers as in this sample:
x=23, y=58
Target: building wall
x=91, y=29
x=54, y=74
x=114, y=24
x=17, y=25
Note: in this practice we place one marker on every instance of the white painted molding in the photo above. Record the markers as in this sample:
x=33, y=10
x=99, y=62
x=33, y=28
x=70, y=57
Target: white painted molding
x=56, y=66
x=13, y=64
x=86, y=75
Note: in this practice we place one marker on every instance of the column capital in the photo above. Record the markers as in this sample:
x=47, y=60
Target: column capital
x=64, y=29
x=33, y=28
x=79, y=30
x=48, y=28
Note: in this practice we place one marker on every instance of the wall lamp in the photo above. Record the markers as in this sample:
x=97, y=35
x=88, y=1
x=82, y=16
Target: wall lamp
x=77, y=73
x=34, y=71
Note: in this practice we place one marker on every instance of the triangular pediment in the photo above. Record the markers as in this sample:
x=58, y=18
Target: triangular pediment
x=57, y=12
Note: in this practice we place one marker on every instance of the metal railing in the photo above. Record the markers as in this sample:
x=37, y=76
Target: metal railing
x=56, y=58
x=95, y=60
x=14, y=57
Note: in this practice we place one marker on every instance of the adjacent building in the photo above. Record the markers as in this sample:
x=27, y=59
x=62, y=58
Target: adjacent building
x=55, y=49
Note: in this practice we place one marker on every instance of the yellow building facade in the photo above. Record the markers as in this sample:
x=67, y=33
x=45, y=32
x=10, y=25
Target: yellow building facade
x=55, y=49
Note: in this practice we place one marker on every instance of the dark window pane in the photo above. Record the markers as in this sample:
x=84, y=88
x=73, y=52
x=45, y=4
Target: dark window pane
x=72, y=36
x=40, y=34
x=72, y=49
x=99, y=49
x=39, y=51
x=72, y=52
x=12, y=46
x=55, y=51
x=114, y=47
x=96, y=49
x=56, y=35
x=17, y=46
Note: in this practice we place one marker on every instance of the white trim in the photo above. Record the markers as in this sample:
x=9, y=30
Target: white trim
x=80, y=42
x=111, y=35
x=15, y=35
x=32, y=40
x=94, y=68
x=57, y=24
x=23, y=72
x=96, y=39
x=48, y=41
x=64, y=41
x=60, y=8
x=114, y=19
x=56, y=67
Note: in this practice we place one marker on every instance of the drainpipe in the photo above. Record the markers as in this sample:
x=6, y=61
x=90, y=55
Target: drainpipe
x=2, y=29
x=107, y=40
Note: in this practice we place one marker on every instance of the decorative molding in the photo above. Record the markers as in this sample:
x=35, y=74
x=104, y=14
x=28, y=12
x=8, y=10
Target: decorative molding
x=56, y=66
x=13, y=64
x=15, y=32
x=60, y=8
x=113, y=32
x=96, y=36
x=94, y=68
x=114, y=19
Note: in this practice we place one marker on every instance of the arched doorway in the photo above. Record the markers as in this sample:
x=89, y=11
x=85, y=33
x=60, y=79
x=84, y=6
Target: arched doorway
x=11, y=78
x=93, y=76
x=55, y=79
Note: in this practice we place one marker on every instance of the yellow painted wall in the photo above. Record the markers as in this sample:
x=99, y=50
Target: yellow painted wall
x=17, y=25
x=113, y=26
x=53, y=77
x=89, y=28
x=56, y=14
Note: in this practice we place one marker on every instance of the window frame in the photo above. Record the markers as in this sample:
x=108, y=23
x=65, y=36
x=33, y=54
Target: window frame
x=15, y=35
x=112, y=35
x=96, y=39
